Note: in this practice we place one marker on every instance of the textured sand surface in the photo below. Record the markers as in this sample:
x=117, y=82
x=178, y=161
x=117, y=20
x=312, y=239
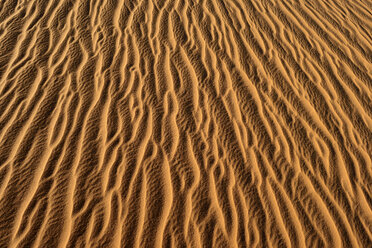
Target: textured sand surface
x=185, y=123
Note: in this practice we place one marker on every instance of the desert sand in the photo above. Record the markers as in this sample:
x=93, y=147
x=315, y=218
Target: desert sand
x=185, y=123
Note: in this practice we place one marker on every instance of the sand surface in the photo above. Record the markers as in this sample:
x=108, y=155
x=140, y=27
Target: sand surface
x=185, y=123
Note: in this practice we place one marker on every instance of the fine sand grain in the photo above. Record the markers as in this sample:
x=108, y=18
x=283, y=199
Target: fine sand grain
x=185, y=123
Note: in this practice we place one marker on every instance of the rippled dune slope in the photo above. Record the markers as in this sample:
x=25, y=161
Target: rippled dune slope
x=185, y=123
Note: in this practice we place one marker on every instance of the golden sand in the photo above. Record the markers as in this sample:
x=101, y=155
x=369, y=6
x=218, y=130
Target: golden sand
x=185, y=123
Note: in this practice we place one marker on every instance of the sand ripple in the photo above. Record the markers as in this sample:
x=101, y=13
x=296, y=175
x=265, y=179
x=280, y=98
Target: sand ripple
x=185, y=123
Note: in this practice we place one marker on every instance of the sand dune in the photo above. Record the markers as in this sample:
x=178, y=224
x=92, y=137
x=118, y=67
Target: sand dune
x=186, y=123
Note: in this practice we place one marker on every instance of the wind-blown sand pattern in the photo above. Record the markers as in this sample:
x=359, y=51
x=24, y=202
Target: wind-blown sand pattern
x=185, y=123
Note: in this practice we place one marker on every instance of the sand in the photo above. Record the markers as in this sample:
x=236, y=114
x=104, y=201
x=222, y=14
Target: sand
x=185, y=123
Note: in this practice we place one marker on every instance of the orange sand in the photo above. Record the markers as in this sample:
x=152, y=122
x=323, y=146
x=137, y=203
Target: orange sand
x=185, y=123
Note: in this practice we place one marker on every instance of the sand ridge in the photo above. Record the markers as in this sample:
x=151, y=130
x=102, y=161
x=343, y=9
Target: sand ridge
x=185, y=123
